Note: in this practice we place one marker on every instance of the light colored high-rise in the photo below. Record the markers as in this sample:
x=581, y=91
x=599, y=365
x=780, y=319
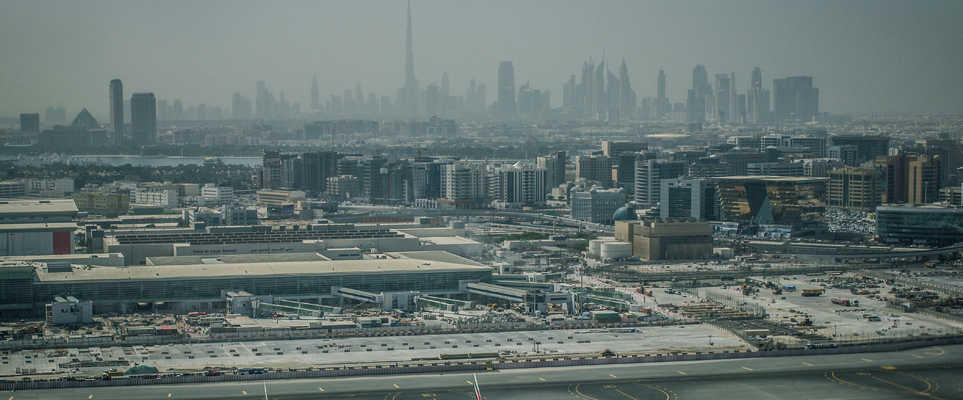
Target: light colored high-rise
x=143, y=118
x=116, y=112
x=412, y=90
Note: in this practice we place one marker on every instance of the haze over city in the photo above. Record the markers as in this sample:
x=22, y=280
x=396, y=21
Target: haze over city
x=865, y=57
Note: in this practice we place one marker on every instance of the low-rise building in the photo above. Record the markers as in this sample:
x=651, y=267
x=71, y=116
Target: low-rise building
x=673, y=239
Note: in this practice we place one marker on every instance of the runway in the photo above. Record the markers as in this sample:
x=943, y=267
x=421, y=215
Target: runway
x=928, y=373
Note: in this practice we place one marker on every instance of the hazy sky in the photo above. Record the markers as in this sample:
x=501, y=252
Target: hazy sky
x=864, y=56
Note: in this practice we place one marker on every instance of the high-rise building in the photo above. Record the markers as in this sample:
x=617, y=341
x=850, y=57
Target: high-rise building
x=143, y=118
x=662, y=103
x=315, y=97
x=116, y=112
x=259, y=105
x=432, y=99
x=594, y=168
x=648, y=179
x=722, y=98
x=505, y=108
x=554, y=164
x=736, y=107
x=30, y=123
x=758, y=98
x=696, y=101
x=178, y=109
x=855, y=188
x=795, y=99
x=867, y=147
x=412, y=90
x=240, y=107
x=924, y=180
x=517, y=187
x=688, y=198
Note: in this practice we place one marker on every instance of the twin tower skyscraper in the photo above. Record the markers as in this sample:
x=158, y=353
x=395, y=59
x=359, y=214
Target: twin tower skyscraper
x=143, y=117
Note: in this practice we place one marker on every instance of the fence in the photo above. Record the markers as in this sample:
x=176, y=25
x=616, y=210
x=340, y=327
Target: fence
x=452, y=366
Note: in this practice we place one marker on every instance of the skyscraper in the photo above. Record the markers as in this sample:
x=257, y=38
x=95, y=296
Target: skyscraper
x=412, y=90
x=116, y=112
x=696, y=102
x=722, y=98
x=259, y=100
x=758, y=108
x=143, y=118
x=662, y=103
x=626, y=94
x=315, y=99
x=506, y=108
x=735, y=110
x=795, y=98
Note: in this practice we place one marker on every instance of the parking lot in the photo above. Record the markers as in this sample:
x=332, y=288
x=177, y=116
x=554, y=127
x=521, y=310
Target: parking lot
x=300, y=354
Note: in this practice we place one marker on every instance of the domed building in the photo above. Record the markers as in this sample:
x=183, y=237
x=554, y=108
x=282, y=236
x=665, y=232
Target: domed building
x=625, y=213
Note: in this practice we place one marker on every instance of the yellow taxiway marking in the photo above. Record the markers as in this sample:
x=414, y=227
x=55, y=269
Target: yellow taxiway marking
x=11, y=398
x=395, y=385
x=914, y=355
x=613, y=376
x=923, y=393
x=808, y=364
x=90, y=397
x=683, y=373
x=243, y=392
x=469, y=382
x=168, y=395
x=747, y=368
x=541, y=379
x=867, y=360
x=624, y=394
x=323, y=389
x=889, y=367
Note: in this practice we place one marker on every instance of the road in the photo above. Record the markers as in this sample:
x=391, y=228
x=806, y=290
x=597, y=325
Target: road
x=928, y=373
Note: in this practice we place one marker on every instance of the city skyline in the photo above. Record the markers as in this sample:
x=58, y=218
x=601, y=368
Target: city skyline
x=454, y=39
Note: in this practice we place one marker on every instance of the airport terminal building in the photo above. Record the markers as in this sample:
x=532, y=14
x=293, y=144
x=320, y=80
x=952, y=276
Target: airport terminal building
x=28, y=286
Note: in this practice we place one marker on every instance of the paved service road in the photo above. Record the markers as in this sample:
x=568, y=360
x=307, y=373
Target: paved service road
x=929, y=373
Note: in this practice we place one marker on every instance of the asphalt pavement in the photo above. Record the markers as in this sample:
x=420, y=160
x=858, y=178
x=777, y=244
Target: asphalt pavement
x=928, y=373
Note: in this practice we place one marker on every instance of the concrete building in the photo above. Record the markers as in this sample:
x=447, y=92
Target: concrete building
x=102, y=203
x=596, y=205
x=820, y=167
x=165, y=198
x=867, y=147
x=518, y=187
x=13, y=189
x=69, y=310
x=213, y=194
x=37, y=227
x=464, y=181
x=30, y=123
x=212, y=240
x=648, y=179
x=855, y=188
x=775, y=169
x=595, y=169
x=673, y=239
x=554, y=165
x=613, y=149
